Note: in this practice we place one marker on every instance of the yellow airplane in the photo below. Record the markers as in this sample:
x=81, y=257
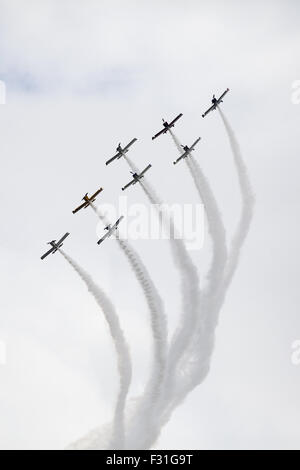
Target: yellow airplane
x=87, y=200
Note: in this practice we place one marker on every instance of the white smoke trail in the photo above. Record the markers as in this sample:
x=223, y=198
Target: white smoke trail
x=200, y=358
x=123, y=356
x=146, y=406
x=158, y=317
x=215, y=223
x=212, y=309
x=176, y=142
x=248, y=203
x=194, y=366
x=189, y=288
x=131, y=164
x=197, y=359
x=142, y=420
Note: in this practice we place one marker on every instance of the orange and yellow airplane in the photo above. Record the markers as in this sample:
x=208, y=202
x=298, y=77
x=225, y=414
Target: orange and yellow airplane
x=87, y=200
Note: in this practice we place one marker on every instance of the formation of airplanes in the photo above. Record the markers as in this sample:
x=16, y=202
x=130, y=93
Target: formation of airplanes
x=136, y=177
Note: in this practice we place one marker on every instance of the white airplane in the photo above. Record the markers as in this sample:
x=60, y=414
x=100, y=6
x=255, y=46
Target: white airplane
x=55, y=245
x=110, y=230
x=136, y=177
x=215, y=102
x=187, y=151
x=121, y=151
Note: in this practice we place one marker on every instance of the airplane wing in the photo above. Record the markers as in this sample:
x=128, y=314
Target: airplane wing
x=118, y=221
x=129, y=184
x=176, y=119
x=113, y=158
x=62, y=238
x=222, y=96
x=195, y=143
x=96, y=193
x=80, y=207
x=130, y=143
x=144, y=171
x=180, y=158
x=104, y=236
x=209, y=110
x=48, y=253
x=159, y=133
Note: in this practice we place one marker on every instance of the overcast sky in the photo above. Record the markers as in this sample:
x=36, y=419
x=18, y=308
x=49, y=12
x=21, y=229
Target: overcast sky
x=81, y=77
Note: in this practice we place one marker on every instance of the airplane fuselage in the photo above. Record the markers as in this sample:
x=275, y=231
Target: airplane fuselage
x=137, y=178
x=167, y=126
x=187, y=151
x=54, y=245
x=216, y=102
x=121, y=151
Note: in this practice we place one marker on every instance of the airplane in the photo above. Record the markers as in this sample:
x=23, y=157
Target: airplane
x=110, y=229
x=136, y=177
x=121, y=151
x=55, y=245
x=187, y=150
x=167, y=126
x=87, y=200
x=215, y=102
